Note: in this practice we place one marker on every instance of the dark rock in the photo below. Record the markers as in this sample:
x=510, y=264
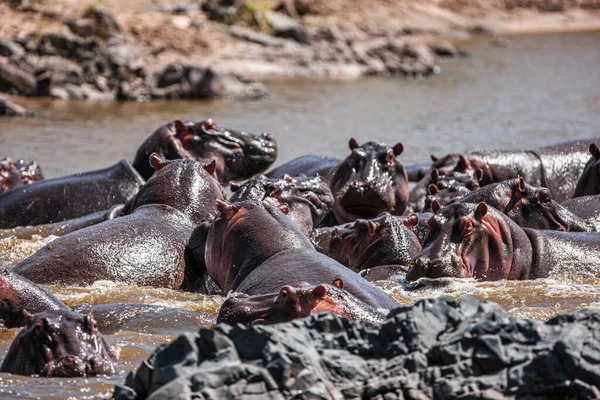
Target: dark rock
x=10, y=109
x=9, y=48
x=433, y=349
x=104, y=24
x=286, y=27
x=448, y=49
x=16, y=81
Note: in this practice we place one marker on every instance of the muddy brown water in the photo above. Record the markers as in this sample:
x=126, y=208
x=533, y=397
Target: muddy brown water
x=540, y=90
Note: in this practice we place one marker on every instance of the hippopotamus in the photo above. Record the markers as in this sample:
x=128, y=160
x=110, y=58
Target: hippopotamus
x=59, y=343
x=364, y=244
x=586, y=208
x=446, y=187
x=111, y=318
x=68, y=197
x=369, y=181
x=297, y=302
x=308, y=199
x=145, y=247
x=252, y=247
x=556, y=167
x=589, y=181
x=18, y=173
x=18, y=294
x=473, y=240
x=238, y=155
x=528, y=206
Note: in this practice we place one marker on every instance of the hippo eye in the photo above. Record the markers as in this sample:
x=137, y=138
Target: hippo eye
x=466, y=227
x=544, y=196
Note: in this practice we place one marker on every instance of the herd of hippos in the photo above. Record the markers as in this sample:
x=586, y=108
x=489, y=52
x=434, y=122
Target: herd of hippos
x=309, y=236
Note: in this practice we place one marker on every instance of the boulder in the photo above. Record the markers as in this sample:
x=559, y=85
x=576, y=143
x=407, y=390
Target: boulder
x=436, y=348
x=286, y=27
x=9, y=48
x=16, y=81
x=10, y=109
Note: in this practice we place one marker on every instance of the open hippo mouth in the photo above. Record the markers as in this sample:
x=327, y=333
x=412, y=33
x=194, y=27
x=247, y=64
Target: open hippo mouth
x=364, y=201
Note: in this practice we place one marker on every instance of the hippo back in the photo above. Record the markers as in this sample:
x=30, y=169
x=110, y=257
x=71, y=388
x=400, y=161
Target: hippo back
x=68, y=197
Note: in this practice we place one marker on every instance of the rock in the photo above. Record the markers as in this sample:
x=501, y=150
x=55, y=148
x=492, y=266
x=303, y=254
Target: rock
x=221, y=85
x=14, y=80
x=10, y=109
x=286, y=27
x=105, y=25
x=434, y=349
x=255, y=37
x=9, y=48
x=446, y=48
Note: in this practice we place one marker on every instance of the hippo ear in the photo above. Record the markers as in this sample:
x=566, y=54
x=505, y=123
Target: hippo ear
x=181, y=130
x=90, y=322
x=481, y=210
x=27, y=316
x=433, y=158
x=338, y=283
x=225, y=208
x=353, y=144
x=372, y=227
x=42, y=325
x=398, y=149
x=432, y=189
x=520, y=188
x=478, y=174
x=435, y=206
x=319, y=291
x=210, y=167
x=287, y=178
x=273, y=190
x=463, y=163
x=435, y=175
x=157, y=161
x=595, y=151
x=412, y=220
x=284, y=208
x=208, y=125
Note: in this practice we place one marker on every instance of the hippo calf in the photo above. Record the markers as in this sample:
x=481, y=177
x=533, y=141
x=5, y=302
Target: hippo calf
x=474, y=240
x=59, y=343
x=145, y=247
x=254, y=248
x=297, y=302
x=308, y=199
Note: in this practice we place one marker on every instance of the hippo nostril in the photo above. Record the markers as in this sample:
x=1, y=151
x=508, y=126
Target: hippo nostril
x=437, y=263
x=354, y=184
x=267, y=135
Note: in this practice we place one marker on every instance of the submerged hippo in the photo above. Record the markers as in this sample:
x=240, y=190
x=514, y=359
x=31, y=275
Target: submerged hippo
x=556, y=167
x=59, y=343
x=239, y=155
x=68, y=197
x=528, y=206
x=474, y=240
x=297, y=302
x=589, y=181
x=18, y=173
x=364, y=244
x=253, y=248
x=447, y=188
x=308, y=199
x=146, y=247
x=18, y=294
x=369, y=181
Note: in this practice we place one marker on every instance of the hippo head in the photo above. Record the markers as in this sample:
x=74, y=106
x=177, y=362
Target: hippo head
x=10, y=176
x=451, y=186
x=589, y=181
x=291, y=303
x=239, y=155
x=187, y=185
x=30, y=171
x=308, y=199
x=248, y=231
x=59, y=343
x=362, y=244
x=369, y=181
x=471, y=240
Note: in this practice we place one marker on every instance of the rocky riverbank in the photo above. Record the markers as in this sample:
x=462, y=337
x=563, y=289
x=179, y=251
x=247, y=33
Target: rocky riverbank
x=143, y=49
x=433, y=349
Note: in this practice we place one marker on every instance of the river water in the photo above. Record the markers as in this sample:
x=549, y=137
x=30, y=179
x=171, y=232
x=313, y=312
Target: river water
x=539, y=90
